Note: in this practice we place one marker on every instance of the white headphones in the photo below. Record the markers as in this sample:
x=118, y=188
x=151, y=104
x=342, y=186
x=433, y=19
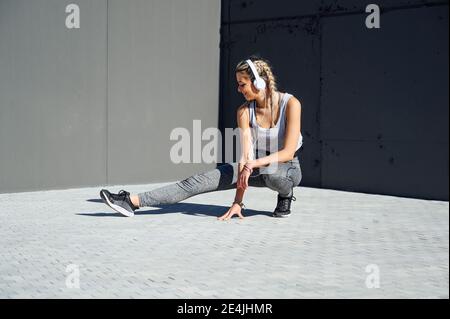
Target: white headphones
x=259, y=82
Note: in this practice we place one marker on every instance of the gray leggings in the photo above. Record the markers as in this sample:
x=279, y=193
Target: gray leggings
x=280, y=178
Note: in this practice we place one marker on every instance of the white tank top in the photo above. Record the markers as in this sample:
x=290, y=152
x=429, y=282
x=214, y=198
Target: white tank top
x=270, y=140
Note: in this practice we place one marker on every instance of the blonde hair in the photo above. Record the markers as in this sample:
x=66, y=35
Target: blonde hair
x=264, y=70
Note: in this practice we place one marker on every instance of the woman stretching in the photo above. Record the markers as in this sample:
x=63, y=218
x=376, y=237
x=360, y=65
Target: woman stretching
x=269, y=124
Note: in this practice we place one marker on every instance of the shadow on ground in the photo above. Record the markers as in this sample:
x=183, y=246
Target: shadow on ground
x=200, y=210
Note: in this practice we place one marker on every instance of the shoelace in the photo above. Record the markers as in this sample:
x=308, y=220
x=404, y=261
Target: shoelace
x=283, y=203
x=123, y=194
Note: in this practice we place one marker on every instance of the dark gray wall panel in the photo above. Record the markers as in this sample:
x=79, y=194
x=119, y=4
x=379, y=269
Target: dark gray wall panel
x=52, y=95
x=238, y=11
x=380, y=97
x=387, y=88
x=243, y=10
x=163, y=73
x=348, y=6
x=293, y=49
x=407, y=169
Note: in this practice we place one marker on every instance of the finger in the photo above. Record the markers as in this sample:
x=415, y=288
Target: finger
x=224, y=215
x=231, y=214
x=228, y=214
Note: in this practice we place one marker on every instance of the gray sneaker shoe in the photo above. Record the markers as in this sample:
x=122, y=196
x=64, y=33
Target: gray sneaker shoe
x=120, y=202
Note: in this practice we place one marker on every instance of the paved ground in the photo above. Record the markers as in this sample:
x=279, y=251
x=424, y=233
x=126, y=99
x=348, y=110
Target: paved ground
x=335, y=244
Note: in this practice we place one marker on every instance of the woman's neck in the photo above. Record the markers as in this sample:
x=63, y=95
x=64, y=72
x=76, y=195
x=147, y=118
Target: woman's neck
x=261, y=102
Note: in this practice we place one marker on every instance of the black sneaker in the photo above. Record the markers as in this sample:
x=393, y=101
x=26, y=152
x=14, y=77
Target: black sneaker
x=283, y=208
x=120, y=202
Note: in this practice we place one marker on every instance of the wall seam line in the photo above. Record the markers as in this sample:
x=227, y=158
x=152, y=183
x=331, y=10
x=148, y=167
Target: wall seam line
x=107, y=93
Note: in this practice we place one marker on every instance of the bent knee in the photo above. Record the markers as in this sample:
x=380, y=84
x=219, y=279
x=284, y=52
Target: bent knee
x=283, y=182
x=277, y=182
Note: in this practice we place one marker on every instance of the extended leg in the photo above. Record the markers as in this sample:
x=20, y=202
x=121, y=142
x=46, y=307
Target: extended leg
x=221, y=178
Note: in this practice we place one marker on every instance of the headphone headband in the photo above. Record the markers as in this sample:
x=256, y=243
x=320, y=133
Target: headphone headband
x=259, y=82
x=253, y=68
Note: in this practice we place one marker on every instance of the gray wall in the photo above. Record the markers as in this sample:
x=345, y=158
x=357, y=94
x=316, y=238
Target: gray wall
x=374, y=102
x=96, y=105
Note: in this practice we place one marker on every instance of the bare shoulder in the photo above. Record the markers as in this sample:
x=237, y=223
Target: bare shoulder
x=242, y=110
x=243, y=107
x=293, y=109
x=294, y=103
x=243, y=116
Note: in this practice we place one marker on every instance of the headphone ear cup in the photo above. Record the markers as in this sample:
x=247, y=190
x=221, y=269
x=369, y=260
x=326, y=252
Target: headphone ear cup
x=260, y=84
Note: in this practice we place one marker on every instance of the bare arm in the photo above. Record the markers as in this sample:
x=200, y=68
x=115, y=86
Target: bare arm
x=243, y=121
x=245, y=138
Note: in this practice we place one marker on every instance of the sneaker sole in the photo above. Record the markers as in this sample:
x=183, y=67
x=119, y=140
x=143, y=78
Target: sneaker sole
x=281, y=216
x=117, y=208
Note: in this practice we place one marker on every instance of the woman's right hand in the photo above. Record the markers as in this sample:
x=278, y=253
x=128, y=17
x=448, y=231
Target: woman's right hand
x=235, y=209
